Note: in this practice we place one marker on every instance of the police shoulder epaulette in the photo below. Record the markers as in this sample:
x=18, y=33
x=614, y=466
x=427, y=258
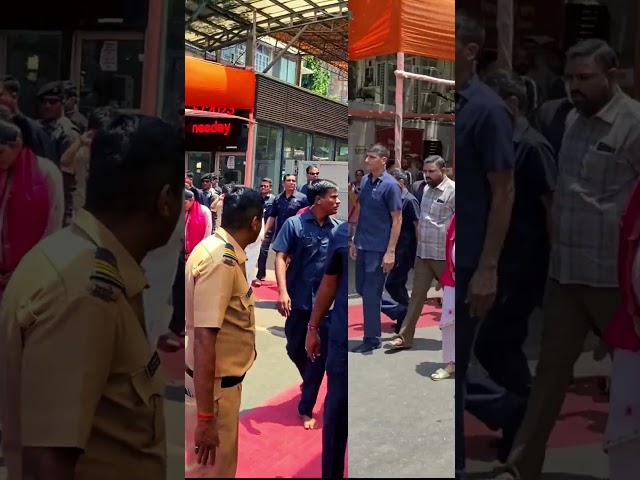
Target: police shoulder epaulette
x=106, y=274
x=229, y=254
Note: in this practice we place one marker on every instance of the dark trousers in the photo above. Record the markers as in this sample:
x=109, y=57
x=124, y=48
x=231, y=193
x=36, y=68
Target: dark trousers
x=312, y=373
x=177, y=317
x=370, y=280
x=336, y=414
x=486, y=400
x=396, y=284
x=264, y=253
x=501, y=337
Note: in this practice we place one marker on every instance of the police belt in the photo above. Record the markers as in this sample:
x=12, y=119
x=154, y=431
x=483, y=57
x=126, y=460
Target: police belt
x=227, y=382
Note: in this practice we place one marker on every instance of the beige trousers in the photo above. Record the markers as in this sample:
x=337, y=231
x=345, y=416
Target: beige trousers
x=569, y=313
x=425, y=271
x=227, y=406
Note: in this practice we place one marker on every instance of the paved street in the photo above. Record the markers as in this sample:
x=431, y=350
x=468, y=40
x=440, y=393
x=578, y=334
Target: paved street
x=575, y=447
x=401, y=423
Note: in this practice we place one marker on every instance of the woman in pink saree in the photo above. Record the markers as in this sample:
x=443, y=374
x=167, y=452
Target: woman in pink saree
x=31, y=195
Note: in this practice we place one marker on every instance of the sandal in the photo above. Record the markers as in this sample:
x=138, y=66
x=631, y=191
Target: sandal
x=398, y=344
x=441, y=374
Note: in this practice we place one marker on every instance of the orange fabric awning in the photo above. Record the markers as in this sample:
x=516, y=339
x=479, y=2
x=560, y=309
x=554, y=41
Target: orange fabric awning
x=415, y=27
x=211, y=85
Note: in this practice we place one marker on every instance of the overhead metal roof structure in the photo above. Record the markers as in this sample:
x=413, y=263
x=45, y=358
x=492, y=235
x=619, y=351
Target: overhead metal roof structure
x=315, y=27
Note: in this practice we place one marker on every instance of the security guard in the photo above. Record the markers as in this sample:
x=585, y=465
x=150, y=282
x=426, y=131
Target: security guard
x=59, y=128
x=333, y=289
x=62, y=132
x=82, y=389
x=220, y=325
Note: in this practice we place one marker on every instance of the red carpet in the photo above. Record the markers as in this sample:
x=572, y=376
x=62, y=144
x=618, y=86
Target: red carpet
x=582, y=422
x=273, y=443
x=429, y=318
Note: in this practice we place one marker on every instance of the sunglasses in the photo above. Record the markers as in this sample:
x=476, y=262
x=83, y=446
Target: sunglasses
x=265, y=186
x=315, y=174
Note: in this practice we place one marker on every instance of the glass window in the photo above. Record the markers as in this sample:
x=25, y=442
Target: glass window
x=111, y=74
x=34, y=59
x=342, y=151
x=268, y=154
x=285, y=69
x=323, y=148
x=263, y=57
x=296, y=148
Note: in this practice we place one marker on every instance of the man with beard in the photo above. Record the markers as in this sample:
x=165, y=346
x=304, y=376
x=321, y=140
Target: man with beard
x=597, y=168
x=301, y=252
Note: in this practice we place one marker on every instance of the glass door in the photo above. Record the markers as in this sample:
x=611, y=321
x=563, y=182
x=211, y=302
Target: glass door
x=108, y=68
x=34, y=58
x=230, y=167
x=199, y=163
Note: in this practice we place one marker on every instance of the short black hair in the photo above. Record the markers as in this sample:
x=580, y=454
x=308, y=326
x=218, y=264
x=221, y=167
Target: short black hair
x=268, y=180
x=240, y=205
x=319, y=188
x=287, y=175
x=507, y=84
x=10, y=84
x=309, y=167
x=469, y=30
x=101, y=117
x=399, y=175
x=134, y=152
x=601, y=52
x=360, y=171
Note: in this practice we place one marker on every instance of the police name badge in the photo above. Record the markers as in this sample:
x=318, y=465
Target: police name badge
x=152, y=366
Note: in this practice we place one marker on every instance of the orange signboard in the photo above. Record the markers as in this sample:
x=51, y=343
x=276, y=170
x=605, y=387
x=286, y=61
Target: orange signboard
x=214, y=87
x=414, y=27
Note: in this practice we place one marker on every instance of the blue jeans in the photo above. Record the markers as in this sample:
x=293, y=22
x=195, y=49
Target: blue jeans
x=370, y=280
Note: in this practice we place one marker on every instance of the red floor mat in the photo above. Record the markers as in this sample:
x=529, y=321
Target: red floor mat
x=267, y=292
x=273, y=443
x=429, y=318
x=582, y=422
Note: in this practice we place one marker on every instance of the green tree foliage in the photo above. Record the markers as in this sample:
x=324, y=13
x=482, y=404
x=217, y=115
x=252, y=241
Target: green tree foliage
x=319, y=80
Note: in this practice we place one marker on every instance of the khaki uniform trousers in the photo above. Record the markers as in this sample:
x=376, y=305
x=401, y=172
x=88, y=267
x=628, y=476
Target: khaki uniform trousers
x=227, y=409
x=425, y=271
x=570, y=312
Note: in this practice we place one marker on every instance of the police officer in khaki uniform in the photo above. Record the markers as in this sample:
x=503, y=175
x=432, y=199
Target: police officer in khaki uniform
x=62, y=133
x=82, y=390
x=220, y=327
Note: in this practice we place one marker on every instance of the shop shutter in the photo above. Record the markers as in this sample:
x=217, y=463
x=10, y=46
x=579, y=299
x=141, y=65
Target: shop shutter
x=281, y=103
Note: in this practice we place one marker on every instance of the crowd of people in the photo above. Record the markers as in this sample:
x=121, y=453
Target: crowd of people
x=225, y=261
x=547, y=178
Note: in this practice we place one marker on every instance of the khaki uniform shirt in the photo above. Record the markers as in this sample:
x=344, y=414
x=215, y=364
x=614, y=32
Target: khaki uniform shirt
x=217, y=295
x=76, y=369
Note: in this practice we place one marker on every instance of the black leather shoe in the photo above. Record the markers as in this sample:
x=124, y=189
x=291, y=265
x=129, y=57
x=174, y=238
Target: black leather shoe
x=366, y=347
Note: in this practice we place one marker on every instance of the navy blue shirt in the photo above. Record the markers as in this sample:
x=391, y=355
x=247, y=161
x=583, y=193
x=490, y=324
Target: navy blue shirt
x=286, y=207
x=305, y=189
x=484, y=144
x=378, y=198
x=407, y=242
x=338, y=264
x=307, y=244
x=267, y=202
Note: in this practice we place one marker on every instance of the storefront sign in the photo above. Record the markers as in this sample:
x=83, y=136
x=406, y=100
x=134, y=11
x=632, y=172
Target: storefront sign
x=224, y=110
x=216, y=128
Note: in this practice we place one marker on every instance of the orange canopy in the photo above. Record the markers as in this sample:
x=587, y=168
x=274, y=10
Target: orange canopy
x=210, y=85
x=415, y=27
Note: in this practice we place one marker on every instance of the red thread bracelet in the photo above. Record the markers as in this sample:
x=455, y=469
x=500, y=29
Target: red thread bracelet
x=312, y=327
x=206, y=416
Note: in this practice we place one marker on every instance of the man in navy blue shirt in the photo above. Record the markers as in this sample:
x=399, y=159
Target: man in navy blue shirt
x=376, y=237
x=267, y=198
x=303, y=242
x=286, y=205
x=333, y=289
x=485, y=160
x=396, y=284
x=313, y=173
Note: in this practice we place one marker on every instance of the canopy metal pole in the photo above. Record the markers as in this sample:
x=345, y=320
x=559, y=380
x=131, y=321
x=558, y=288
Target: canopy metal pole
x=504, y=24
x=399, y=110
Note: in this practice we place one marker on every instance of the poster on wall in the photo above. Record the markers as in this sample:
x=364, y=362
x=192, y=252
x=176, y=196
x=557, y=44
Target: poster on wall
x=412, y=141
